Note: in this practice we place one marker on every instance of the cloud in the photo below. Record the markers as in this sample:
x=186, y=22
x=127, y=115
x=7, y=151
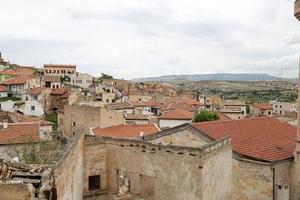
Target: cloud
x=140, y=38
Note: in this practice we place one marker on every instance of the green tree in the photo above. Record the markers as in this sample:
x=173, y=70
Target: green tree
x=205, y=116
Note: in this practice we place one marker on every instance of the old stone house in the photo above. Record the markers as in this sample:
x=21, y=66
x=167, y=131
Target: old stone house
x=261, y=109
x=262, y=153
x=74, y=117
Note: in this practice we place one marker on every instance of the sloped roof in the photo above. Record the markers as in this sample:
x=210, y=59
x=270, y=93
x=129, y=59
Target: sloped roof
x=58, y=91
x=126, y=131
x=36, y=91
x=177, y=114
x=19, y=133
x=15, y=81
x=2, y=89
x=263, y=106
x=265, y=139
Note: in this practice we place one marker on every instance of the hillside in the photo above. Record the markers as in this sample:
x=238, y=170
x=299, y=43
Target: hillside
x=211, y=77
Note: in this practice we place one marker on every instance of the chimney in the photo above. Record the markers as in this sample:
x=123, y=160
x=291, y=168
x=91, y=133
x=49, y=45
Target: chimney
x=142, y=135
x=297, y=152
x=5, y=124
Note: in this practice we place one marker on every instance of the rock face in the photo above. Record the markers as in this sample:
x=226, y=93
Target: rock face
x=297, y=9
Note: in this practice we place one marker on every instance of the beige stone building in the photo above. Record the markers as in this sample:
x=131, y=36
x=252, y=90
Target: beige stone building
x=75, y=117
x=59, y=70
x=234, y=109
x=261, y=109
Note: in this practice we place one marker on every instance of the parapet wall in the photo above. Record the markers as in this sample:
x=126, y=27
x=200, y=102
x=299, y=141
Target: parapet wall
x=154, y=171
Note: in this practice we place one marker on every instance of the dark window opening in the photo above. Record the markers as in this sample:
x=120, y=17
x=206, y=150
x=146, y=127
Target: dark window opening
x=94, y=182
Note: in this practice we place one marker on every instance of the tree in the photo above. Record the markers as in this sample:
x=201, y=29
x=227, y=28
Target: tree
x=206, y=116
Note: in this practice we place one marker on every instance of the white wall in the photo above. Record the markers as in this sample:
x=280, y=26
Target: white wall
x=7, y=106
x=38, y=111
x=164, y=123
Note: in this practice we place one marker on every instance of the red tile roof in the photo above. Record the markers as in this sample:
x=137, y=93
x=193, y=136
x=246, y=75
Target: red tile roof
x=19, y=133
x=265, y=139
x=177, y=114
x=263, y=106
x=178, y=105
x=152, y=104
x=36, y=91
x=59, y=91
x=2, y=89
x=126, y=131
x=15, y=81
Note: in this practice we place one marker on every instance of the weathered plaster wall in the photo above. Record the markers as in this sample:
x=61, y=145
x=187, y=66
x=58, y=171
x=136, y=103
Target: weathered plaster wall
x=251, y=180
x=295, y=181
x=181, y=138
x=68, y=172
x=170, y=123
x=158, y=172
x=16, y=191
x=217, y=172
x=84, y=117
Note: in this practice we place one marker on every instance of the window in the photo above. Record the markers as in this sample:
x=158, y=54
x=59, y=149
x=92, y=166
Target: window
x=269, y=112
x=32, y=108
x=73, y=124
x=107, y=100
x=94, y=182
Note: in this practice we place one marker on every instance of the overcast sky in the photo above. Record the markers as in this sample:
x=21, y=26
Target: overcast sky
x=142, y=38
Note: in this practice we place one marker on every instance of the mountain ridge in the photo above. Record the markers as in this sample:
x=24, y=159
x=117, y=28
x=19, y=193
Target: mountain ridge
x=212, y=77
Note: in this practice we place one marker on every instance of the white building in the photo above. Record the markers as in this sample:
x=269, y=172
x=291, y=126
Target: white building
x=37, y=101
x=174, y=118
x=81, y=80
x=283, y=108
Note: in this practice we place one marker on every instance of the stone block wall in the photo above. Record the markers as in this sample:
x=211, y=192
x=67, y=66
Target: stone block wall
x=158, y=172
x=251, y=180
x=68, y=172
x=16, y=191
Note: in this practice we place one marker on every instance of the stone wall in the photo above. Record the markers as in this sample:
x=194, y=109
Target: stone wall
x=260, y=180
x=68, y=172
x=77, y=117
x=217, y=172
x=158, y=172
x=16, y=191
x=295, y=181
x=251, y=180
x=181, y=138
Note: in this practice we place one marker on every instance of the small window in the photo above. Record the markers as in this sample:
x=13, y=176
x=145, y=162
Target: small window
x=94, y=182
x=32, y=108
x=107, y=100
x=269, y=112
x=73, y=124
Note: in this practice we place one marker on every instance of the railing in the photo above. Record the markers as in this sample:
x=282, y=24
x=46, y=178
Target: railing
x=297, y=9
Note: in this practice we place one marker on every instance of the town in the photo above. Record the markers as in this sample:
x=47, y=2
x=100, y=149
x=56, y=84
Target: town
x=67, y=134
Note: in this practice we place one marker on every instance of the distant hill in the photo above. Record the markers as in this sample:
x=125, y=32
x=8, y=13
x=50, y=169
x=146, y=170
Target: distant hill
x=211, y=77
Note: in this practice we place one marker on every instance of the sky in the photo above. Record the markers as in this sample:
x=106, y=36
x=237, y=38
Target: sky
x=143, y=38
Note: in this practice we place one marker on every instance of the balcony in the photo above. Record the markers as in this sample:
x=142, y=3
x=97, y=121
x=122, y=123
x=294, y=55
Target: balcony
x=297, y=9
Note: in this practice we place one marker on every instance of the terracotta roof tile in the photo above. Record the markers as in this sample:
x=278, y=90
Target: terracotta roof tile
x=36, y=91
x=263, y=106
x=265, y=139
x=15, y=81
x=59, y=91
x=126, y=131
x=2, y=89
x=19, y=133
x=177, y=114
